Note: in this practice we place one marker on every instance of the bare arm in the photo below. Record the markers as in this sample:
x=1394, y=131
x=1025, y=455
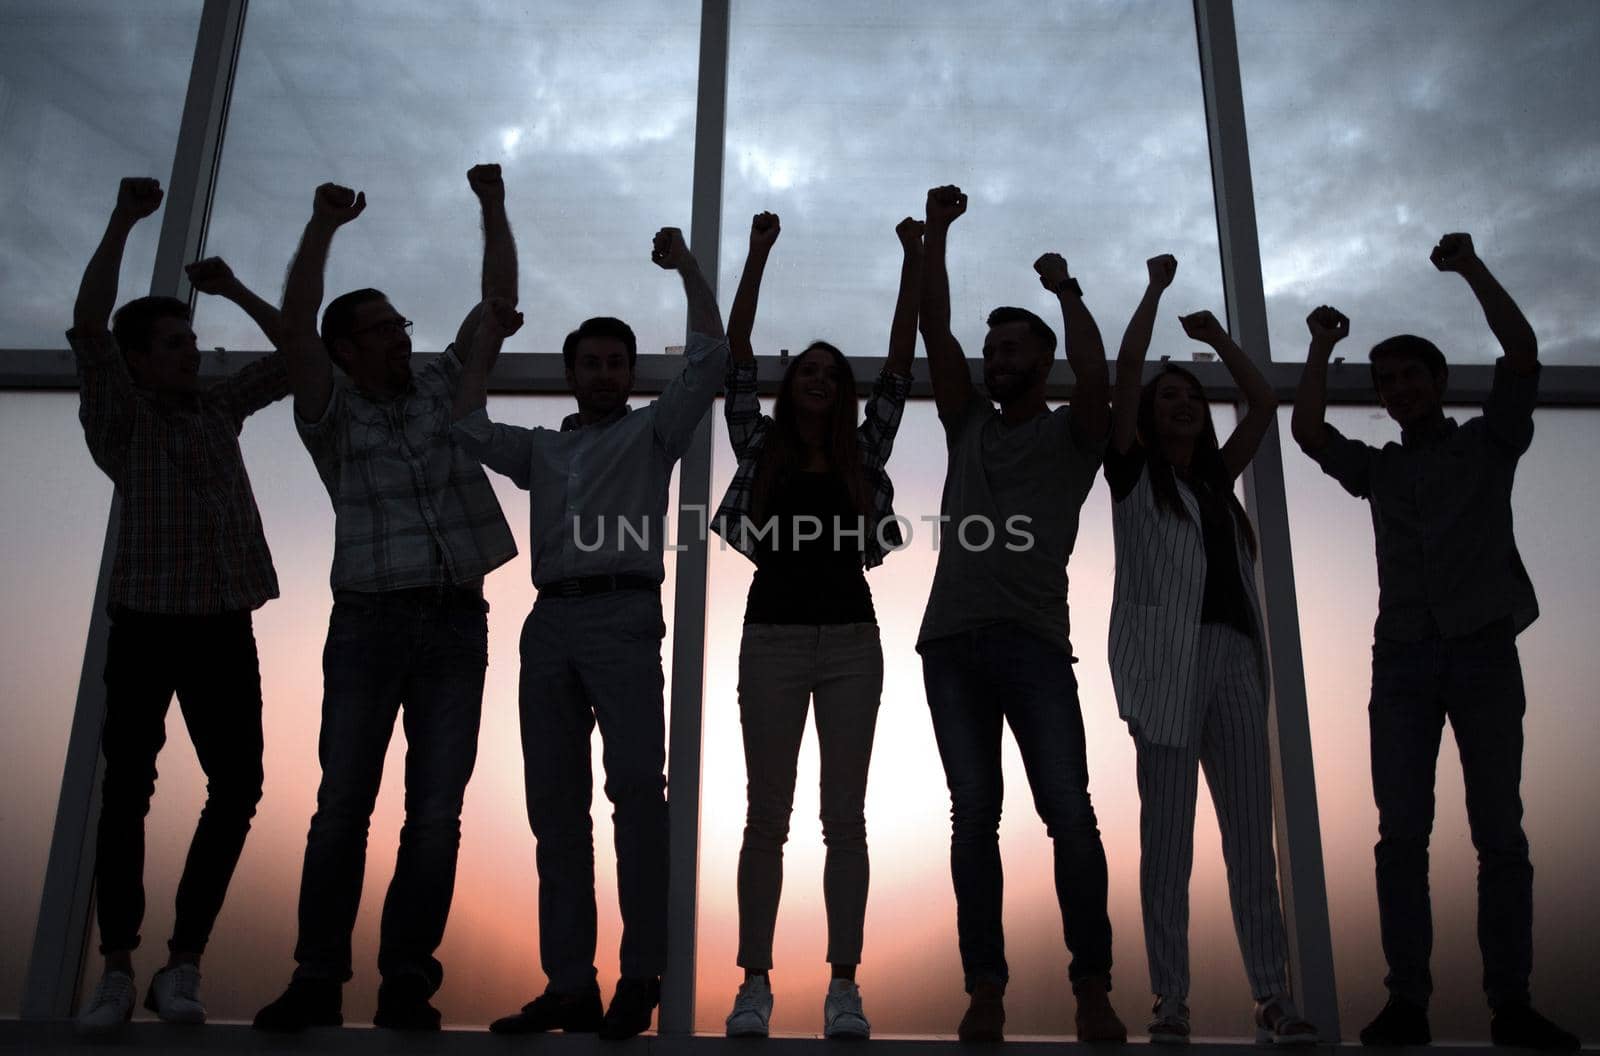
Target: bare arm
x=498, y=320
x=310, y=373
x=499, y=247
x=903, y=328
x=1131, y=354
x=764, y=228
x=1511, y=328
x=1261, y=402
x=947, y=364
x=137, y=198
x=670, y=252
x=1086, y=352
x=213, y=276
x=1328, y=327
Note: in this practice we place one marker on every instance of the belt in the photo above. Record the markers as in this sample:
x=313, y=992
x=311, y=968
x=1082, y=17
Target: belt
x=583, y=586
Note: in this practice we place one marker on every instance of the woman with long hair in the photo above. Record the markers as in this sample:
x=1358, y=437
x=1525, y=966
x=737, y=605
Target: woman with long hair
x=1188, y=662
x=811, y=506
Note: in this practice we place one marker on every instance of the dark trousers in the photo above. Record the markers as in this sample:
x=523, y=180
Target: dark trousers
x=584, y=660
x=975, y=681
x=210, y=663
x=420, y=654
x=1476, y=682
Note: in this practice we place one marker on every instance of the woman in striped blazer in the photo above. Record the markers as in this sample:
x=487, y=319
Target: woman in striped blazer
x=1187, y=661
x=811, y=506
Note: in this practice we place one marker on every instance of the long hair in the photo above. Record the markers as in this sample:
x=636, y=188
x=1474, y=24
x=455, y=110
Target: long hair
x=1206, y=467
x=783, y=450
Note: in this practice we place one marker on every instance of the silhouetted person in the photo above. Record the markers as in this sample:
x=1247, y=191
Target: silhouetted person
x=591, y=647
x=191, y=565
x=1188, y=659
x=416, y=528
x=1452, y=597
x=994, y=639
x=811, y=504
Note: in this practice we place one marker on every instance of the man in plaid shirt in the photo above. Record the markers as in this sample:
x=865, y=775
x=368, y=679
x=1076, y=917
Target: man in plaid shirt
x=417, y=527
x=191, y=565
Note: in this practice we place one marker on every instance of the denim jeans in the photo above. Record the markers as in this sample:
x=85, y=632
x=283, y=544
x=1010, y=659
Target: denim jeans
x=423, y=651
x=782, y=668
x=589, y=659
x=976, y=680
x=210, y=663
x=1476, y=682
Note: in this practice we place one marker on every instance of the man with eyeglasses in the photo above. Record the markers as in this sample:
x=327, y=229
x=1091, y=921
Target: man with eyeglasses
x=417, y=527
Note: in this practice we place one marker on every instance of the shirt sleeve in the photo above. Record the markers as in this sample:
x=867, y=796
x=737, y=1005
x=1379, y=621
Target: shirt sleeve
x=688, y=396
x=882, y=418
x=1347, y=461
x=741, y=406
x=506, y=449
x=1122, y=469
x=1508, y=412
x=324, y=437
x=106, y=399
x=252, y=387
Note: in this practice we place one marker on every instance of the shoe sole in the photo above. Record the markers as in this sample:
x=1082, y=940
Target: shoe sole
x=1266, y=1037
x=1162, y=1037
x=847, y=1034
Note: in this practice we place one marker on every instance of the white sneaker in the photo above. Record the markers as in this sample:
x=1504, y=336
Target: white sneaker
x=175, y=995
x=110, y=1006
x=752, y=1009
x=841, y=1011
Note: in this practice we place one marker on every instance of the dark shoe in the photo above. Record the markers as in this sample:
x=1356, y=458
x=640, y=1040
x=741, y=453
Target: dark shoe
x=1097, y=1020
x=403, y=1004
x=986, y=1014
x=1519, y=1026
x=632, y=1008
x=1401, y=1022
x=572, y=1013
x=307, y=1003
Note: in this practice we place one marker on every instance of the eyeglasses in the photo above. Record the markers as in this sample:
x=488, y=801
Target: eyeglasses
x=386, y=328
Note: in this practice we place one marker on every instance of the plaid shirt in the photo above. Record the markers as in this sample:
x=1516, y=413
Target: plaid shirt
x=189, y=537
x=411, y=508
x=747, y=429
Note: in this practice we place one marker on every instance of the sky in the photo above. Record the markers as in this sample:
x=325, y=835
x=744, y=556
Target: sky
x=1077, y=128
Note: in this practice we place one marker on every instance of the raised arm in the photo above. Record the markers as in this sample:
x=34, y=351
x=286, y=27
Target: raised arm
x=498, y=319
x=1086, y=352
x=213, y=276
x=764, y=229
x=310, y=373
x=1328, y=327
x=1135, y=346
x=669, y=251
x=903, y=329
x=947, y=365
x=1261, y=403
x=499, y=248
x=1511, y=328
x=137, y=198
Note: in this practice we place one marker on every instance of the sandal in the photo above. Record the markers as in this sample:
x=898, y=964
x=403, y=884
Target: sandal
x=1278, y=1022
x=1170, y=1022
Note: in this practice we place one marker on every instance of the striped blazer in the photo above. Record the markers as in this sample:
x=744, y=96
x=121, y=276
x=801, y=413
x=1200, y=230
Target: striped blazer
x=1155, y=612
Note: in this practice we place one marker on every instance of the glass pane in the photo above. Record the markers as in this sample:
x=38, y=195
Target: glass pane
x=1377, y=127
x=587, y=107
x=1091, y=142
x=490, y=951
x=90, y=91
x=911, y=973
x=1336, y=582
x=53, y=507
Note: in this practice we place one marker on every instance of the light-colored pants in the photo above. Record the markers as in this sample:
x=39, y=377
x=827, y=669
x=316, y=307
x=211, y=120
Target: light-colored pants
x=781, y=669
x=1231, y=744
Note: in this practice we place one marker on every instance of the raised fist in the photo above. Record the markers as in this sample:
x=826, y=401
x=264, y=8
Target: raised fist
x=669, y=251
x=945, y=204
x=500, y=318
x=1328, y=326
x=1162, y=268
x=1454, y=253
x=338, y=205
x=138, y=197
x=1052, y=269
x=211, y=275
x=1201, y=325
x=910, y=232
x=486, y=183
x=764, y=230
